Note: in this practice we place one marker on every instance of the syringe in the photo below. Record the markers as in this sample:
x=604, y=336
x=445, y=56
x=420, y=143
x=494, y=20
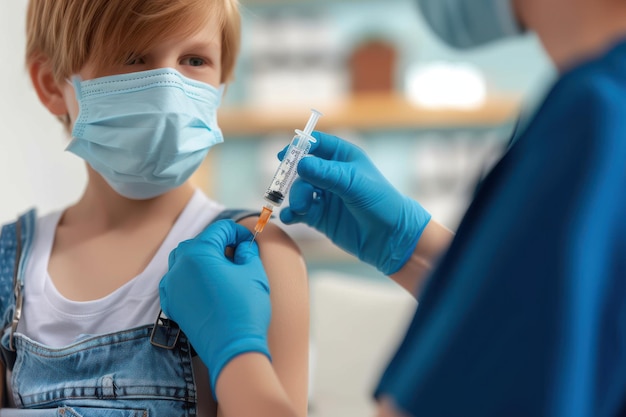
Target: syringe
x=287, y=171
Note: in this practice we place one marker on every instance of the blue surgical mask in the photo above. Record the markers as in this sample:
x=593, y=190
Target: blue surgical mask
x=145, y=132
x=468, y=23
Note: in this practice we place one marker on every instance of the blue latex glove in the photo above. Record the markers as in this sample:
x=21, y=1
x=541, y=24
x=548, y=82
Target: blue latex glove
x=342, y=194
x=222, y=304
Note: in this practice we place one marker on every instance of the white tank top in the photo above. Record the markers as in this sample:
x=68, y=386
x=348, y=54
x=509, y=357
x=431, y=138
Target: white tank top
x=51, y=319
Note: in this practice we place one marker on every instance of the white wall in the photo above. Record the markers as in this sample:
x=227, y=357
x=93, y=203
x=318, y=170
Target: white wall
x=357, y=325
x=34, y=169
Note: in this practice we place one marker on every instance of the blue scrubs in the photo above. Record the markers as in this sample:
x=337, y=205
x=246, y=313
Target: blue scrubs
x=526, y=313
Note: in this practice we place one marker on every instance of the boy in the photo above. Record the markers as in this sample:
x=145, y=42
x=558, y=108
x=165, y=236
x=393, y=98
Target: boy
x=137, y=83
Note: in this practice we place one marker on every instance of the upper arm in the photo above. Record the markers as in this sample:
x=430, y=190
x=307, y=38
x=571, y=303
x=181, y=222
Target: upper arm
x=288, y=335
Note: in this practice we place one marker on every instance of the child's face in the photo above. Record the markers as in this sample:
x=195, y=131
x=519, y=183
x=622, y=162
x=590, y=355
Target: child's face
x=197, y=57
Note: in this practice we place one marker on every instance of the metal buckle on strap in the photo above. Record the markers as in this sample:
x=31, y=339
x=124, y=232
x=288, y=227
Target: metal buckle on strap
x=17, y=313
x=165, y=332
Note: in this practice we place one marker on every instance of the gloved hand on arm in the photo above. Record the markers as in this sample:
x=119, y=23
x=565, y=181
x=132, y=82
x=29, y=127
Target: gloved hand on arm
x=222, y=304
x=342, y=194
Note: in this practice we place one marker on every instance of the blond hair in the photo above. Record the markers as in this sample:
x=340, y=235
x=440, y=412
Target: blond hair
x=71, y=32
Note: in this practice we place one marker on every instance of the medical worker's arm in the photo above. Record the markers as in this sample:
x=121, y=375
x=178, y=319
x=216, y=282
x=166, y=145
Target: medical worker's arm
x=223, y=306
x=342, y=194
x=387, y=409
x=434, y=241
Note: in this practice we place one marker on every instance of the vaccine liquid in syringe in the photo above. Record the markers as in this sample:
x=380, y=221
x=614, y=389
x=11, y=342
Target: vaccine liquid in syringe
x=287, y=171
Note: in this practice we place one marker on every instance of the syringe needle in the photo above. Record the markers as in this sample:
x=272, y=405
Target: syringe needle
x=253, y=239
x=264, y=217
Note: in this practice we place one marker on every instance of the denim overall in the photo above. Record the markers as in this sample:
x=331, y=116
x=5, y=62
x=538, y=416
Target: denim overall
x=145, y=371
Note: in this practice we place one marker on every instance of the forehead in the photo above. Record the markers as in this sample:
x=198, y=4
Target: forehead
x=209, y=34
x=142, y=30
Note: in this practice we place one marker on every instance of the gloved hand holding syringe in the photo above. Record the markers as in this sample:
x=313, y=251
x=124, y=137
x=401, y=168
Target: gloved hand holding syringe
x=287, y=171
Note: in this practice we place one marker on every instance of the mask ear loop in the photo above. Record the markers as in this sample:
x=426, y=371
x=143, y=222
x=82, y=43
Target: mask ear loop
x=66, y=120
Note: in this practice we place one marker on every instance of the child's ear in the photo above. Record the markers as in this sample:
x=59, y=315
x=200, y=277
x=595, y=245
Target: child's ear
x=49, y=92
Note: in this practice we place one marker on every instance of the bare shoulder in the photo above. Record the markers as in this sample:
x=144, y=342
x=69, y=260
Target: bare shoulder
x=282, y=259
x=273, y=239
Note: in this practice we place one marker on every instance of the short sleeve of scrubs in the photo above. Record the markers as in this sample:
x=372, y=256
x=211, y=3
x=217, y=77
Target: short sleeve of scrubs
x=526, y=313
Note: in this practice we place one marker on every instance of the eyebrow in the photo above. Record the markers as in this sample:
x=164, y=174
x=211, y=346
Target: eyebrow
x=212, y=45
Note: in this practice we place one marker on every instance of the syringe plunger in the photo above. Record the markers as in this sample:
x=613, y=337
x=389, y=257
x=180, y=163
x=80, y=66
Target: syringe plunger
x=310, y=125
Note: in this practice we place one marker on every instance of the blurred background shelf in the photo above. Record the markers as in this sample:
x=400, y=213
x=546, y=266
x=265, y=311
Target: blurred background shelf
x=365, y=112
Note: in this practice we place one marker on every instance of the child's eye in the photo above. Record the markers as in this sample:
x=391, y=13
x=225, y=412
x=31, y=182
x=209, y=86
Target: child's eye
x=194, y=61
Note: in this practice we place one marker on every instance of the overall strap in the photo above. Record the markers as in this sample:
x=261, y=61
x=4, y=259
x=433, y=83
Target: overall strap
x=235, y=214
x=165, y=332
x=8, y=255
x=15, y=241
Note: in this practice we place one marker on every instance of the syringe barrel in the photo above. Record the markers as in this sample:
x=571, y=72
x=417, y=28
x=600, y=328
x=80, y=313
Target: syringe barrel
x=287, y=170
